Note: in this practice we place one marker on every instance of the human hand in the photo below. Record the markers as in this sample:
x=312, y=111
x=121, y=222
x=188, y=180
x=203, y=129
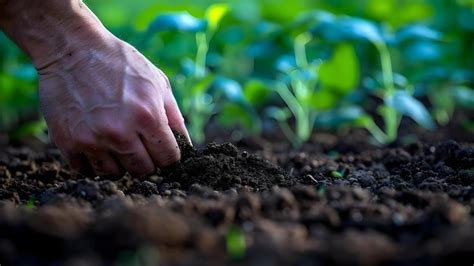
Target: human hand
x=109, y=108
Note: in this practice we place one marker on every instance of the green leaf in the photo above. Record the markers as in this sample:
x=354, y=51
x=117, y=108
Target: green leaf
x=235, y=243
x=183, y=22
x=231, y=89
x=338, y=117
x=215, y=13
x=323, y=100
x=266, y=29
x=233, y=114
x=417, y=32
x=464, y=96
x=336, y=174
x=286, y=63
x=423, y=51
x=341, y=72
x=33, y=128
x=277, y=113
x=201, y=86
x=256, y=92
x=411, y=107
x=360, y=29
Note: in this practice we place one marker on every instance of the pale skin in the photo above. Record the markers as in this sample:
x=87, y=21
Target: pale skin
x=108, y=109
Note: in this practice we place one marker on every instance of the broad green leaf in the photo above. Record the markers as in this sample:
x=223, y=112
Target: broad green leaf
x=277, y=113
x=323, y=100
x=261, y=49
x=341, y=72
x=410, y=12
x=233, y=114
x=464, y=96
x=266, y=29
x=33, y=128
x=417, y=32
x=286, y=63
x=423, y=51
x=380, y=9
x=311, y=17
x=177, y=22
x=215, y=13
x=360, y=29
x=188, y=66
x=407, y=105
x=230, y=89
x=201, y=86
x=256, y=92
x=338, y=117
x=329, y=31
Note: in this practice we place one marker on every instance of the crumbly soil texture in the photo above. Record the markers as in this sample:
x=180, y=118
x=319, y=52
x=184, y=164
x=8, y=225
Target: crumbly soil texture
x=327, y=204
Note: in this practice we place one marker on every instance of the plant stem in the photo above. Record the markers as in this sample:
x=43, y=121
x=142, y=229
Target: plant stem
x=300, y=49
x=386, y=63
x=202, y=49
x=390, y=115
x=302, y=126
x=289, y=134
x=376, y=132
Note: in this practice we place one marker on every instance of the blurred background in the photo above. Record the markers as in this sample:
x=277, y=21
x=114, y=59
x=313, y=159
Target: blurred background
x=254, y=66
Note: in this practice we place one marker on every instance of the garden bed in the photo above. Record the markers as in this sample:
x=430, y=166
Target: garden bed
x=334, y=202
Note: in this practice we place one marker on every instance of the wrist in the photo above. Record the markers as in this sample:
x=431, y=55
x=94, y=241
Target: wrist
x=52, y=30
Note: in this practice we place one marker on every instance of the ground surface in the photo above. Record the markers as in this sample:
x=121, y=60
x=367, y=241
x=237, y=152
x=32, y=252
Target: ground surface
x=338, y=201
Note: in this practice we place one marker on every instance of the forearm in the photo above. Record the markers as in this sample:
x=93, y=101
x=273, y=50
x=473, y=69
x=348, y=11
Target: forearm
x=49, y=30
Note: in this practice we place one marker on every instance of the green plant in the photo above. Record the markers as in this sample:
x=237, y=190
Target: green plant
x=30, y=205
x=238, y=106
x=235, y=243
x=397, y=97
x=297, y=88
x=193, y=82
x=18, y=95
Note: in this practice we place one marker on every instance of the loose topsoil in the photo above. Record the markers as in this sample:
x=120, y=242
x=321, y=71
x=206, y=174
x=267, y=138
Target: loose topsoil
x=334, y=202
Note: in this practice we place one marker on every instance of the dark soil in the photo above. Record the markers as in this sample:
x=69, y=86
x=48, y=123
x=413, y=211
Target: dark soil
x=337, y=201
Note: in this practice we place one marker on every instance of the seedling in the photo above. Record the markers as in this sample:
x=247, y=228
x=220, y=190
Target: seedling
x=337, y=174
x=30, y=204
x=397, y=99
x=194, y=81
x=297, y=89
x=235, y=243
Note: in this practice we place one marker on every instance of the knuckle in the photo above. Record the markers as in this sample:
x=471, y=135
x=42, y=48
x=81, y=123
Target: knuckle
x=113, y=134
x=147, y=119
x=83, y=142
x=143, y=115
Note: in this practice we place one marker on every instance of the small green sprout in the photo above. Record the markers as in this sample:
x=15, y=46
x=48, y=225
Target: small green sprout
x=336, y=174
x=340, y=173
x=30, y=204
x=321, y=190
x=235, y=243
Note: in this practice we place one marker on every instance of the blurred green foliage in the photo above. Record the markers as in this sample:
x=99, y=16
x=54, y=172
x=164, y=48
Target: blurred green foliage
x=365, y=63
